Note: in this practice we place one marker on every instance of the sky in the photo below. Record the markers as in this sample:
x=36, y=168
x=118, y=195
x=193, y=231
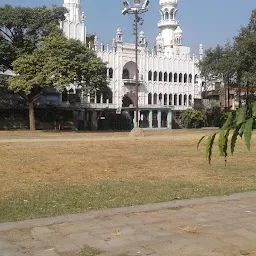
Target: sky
x=209, y=22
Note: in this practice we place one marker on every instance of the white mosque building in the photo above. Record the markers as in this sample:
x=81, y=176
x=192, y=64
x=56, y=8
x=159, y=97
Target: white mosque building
x=169, y=80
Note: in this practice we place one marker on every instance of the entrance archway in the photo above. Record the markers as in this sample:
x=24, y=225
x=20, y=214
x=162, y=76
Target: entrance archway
x=127, y=101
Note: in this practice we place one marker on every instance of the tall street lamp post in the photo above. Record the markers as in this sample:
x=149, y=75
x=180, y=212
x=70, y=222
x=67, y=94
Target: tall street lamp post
x=137, y=9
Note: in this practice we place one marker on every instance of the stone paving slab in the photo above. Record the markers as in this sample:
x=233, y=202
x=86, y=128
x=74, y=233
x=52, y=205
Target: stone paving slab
x=213, y=226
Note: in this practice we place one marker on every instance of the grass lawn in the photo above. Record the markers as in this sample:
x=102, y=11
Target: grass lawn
x=55, y=178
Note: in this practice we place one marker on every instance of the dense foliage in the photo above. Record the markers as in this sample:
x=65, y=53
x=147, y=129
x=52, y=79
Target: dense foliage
x=234, y=64
x=21, y=29
x=57, y=62
x=192, y=118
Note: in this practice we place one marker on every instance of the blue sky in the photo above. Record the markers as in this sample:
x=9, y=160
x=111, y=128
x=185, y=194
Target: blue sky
x=209, y=22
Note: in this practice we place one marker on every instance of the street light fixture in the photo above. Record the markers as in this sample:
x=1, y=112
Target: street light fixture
x=136, y=10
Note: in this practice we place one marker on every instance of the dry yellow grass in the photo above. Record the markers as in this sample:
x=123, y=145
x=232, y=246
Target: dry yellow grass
x=166, y=155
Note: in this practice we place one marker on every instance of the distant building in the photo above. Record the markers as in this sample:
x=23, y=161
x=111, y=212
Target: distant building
x=168, y=75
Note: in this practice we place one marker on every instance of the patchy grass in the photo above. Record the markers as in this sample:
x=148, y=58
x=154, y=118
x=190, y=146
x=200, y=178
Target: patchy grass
x=50, y=179
x=88, y=251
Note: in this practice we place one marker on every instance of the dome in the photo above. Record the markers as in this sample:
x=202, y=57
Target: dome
x=119, y=31
x=178, y=31
x=169, y=2
x=142, y=34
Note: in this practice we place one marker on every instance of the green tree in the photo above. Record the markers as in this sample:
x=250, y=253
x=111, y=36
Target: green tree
x=234, y=64
x=57, y=62
x=21, y=29
x=192, y=118
x=245, y=49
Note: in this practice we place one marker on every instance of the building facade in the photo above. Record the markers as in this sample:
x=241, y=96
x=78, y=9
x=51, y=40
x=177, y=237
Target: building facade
x=169, y=79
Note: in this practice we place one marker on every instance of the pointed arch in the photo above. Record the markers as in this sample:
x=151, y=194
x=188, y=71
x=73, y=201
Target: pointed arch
x=175, y=78
x=165, y=76
x=175, y=99
x=190, y=100
x=180, y=100
x=180, y=77
x=160, y=98
x=190, y=78
x=170, y=99
x=155, y=99
x=155, y=76
x=185, y=100
x=185, y=78
x=150, y=98
x=150, y=75
x=160, y=78
x=165, y=99
x=170, y=77
x=111, y=71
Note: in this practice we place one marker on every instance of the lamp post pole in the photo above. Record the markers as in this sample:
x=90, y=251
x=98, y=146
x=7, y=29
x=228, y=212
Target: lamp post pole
x=136, y=10
x=137, y=71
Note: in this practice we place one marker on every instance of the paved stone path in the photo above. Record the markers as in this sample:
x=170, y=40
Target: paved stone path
x=214, y=226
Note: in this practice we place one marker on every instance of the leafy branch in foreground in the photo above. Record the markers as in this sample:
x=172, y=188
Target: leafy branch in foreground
x=241, y=123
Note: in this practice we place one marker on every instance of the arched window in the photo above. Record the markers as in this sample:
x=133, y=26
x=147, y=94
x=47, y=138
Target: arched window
x=160, y=98
x=171, y=15
x=165, y=99
x=180, y=100
x=155, y=99
x=185, y=100
x=150, y=75
x=190, y=100
x=126, y=74
x=165, y=76
x=185, y=78
x=167, y=15
x=190, y=78
x=196, y=81
x=170, y=77
x=160, y=76
x=110, y=73
x=170, y=99
x=175, y=78
x=180, y=78
x=155, y=76
x=175, y=99
x=149, y=98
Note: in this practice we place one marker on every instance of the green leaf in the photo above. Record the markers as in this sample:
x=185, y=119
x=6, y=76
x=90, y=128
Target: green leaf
x=241, y=130
x=234, y=139
x=228, y=121
x=223, y=142
x=254, y=109
x=199, y=142
x=209, y=146
x=240, y=116
x=225, y=146
x=248, y=132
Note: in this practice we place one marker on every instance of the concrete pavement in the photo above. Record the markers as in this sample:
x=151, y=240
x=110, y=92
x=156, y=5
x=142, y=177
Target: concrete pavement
x=214, y=226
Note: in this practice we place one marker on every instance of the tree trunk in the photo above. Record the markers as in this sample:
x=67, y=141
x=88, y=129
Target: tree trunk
x=32, y=125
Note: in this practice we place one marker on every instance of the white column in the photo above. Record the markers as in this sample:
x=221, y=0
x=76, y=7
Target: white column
x=159, y=118
x=150, y=117
x=169, y=120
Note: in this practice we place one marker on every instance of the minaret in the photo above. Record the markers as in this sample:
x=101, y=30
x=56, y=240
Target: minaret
x=168, y=25
x=74, y=7
x=74, y=25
